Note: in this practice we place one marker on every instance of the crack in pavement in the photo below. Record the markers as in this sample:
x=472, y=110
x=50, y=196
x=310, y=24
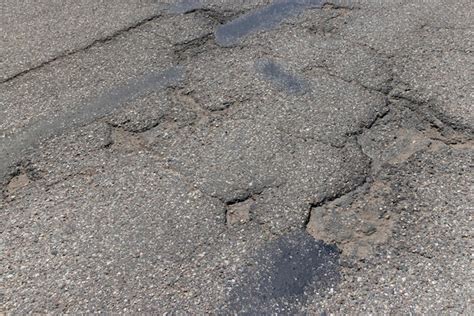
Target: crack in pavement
x=13, y=145
x=93, y=43
x=192, y=48
x=364, y=185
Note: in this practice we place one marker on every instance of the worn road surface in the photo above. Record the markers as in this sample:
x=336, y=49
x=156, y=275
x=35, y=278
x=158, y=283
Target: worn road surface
x=237, y=157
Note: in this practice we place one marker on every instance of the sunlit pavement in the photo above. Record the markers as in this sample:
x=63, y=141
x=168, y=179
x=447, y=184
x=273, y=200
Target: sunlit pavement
x=236, y=157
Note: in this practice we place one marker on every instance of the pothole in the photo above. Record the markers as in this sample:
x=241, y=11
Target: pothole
x=18, y=182
x=239, y=213
x=15, y=185
x=357, y=222
x=126, y=141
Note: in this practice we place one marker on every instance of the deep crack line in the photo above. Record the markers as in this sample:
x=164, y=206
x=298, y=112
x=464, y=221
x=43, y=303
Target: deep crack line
x=95, y=42
x=192, y=48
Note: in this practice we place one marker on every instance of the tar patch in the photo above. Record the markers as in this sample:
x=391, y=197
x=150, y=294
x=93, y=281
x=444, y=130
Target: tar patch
x=284, y=274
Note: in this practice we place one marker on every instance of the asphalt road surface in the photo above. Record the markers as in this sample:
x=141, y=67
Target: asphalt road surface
x=237, y=157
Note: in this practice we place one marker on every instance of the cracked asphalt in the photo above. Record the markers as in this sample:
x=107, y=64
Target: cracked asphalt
x=237, y=157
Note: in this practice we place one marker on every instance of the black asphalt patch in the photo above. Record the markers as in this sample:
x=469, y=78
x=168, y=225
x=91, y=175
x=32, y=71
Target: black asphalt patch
x=284, y=274
x=280, y=77
x=266, y=18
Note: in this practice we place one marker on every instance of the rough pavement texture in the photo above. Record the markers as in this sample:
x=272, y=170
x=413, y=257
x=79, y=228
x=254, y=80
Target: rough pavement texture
x=237, y=157
x=35, y=32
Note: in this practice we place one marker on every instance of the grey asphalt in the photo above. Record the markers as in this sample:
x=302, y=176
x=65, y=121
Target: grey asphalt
x=225, y=157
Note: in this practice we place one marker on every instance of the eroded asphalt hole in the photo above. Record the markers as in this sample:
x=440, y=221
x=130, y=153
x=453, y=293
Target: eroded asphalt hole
x=284, y=274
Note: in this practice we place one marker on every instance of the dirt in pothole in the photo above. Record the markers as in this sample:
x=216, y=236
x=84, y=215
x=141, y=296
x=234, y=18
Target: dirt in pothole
x=16, y=183
x=357, y=223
